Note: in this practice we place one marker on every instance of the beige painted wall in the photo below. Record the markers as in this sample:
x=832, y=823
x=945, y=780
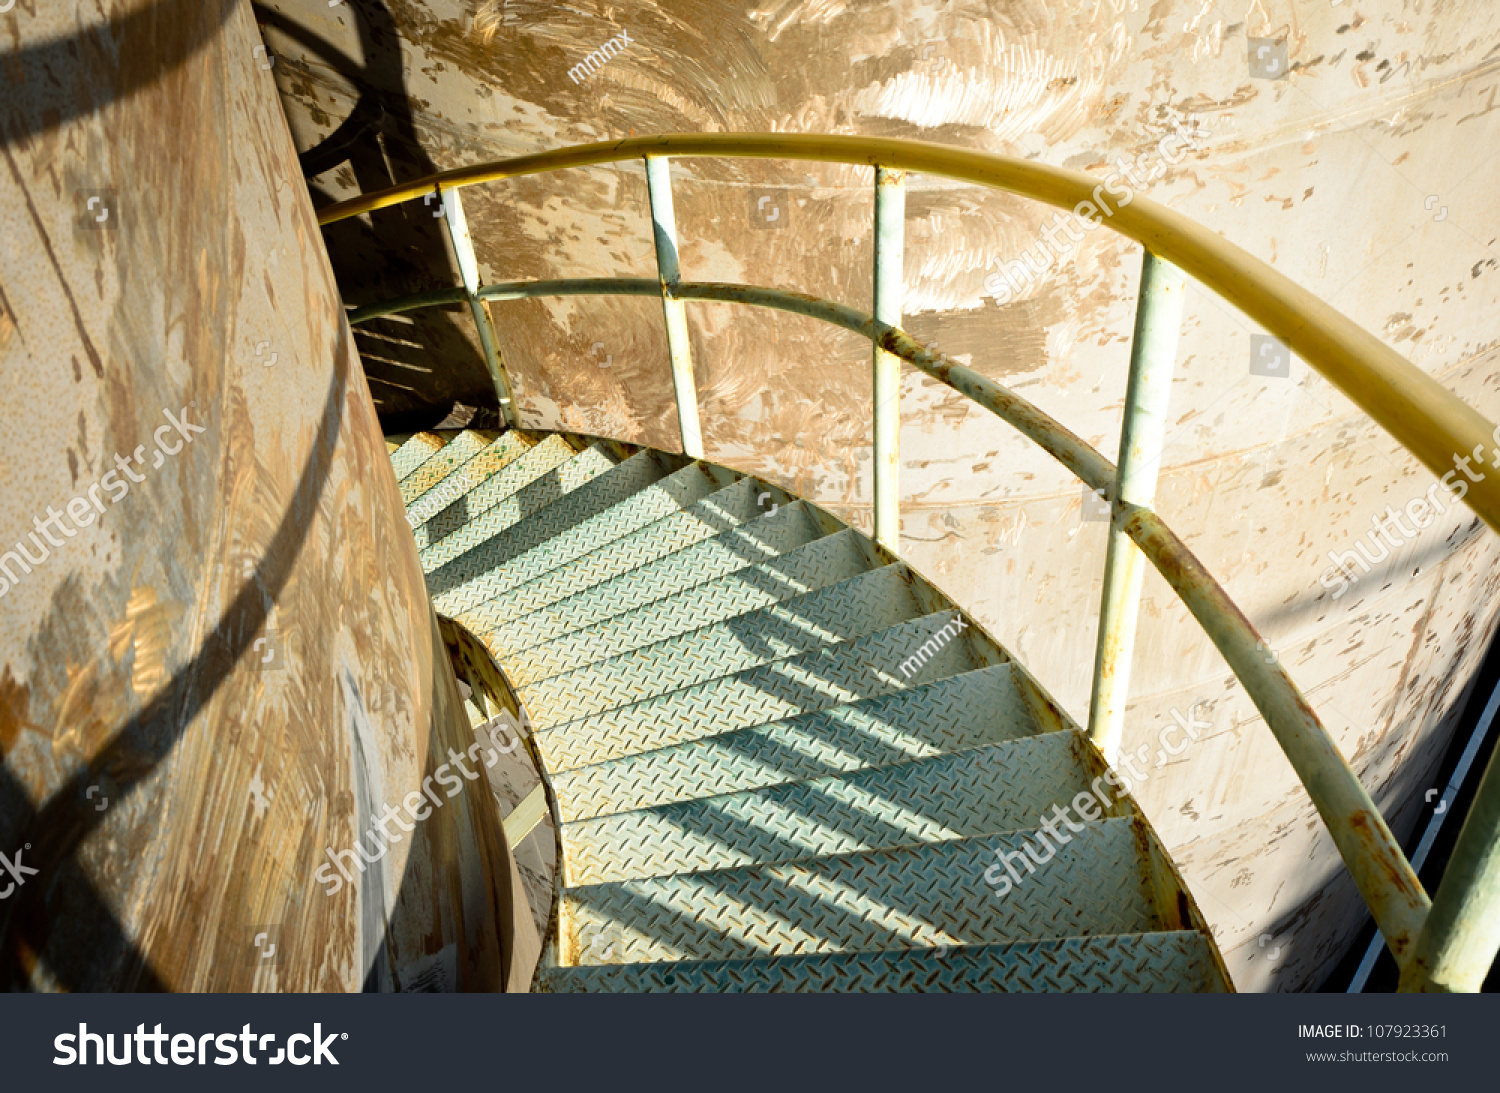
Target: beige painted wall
x=221, y=658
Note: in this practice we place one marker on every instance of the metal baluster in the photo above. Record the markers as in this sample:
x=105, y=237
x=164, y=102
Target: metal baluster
x=468, y=272
x=1153, y=352
x=669, y=272
x=890, y=238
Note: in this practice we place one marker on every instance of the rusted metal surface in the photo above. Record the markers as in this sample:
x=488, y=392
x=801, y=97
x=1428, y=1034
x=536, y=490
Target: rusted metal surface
x=224, y=661
x=1360, y=175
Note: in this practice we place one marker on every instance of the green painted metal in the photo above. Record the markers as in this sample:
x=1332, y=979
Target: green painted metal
x=468, y=477
x=723, y=532
x=418, y=448
x=1371, y=853
x=1153, y=353
x=890, y=247
x=815, y=680
x=952, y=714
x=1138, y=963
x=669, y=273
x=930, y=895
x=840, y=612
x=788, y=577
x=1461, y=936
x=761, y=739
x=982, y=791
x=533, y=482
x=1429, y=420
x=468, y=272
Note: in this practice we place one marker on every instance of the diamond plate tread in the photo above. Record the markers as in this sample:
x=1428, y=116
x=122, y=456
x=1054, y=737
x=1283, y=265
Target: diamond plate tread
x=817, y=565
x=718, y=535
x=484, y=571
x=639, y=509
x=915, y=897
x=962, y=711
x=984, y=791
x=553, y=473
x=506, y=449
x=458, y=451
x=417, y=449
x=1166, y=962
x=816, y=680
x=860, y=605
x=529, y=484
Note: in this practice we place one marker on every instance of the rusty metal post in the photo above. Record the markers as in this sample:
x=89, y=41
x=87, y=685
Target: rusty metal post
x=890, y=232
x=1153, y=351
x=468, y=272
x=669, y=273
x=1461, y=935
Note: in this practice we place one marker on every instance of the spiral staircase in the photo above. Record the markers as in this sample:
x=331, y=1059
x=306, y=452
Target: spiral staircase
x=775, y=756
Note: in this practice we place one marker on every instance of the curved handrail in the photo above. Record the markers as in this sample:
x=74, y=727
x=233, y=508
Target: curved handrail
x=1374, y=858
x=1423, y=415
x=1429, y=420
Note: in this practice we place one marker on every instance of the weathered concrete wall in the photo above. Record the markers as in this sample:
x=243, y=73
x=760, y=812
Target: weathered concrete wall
x=1362, y=172
x=219, y=660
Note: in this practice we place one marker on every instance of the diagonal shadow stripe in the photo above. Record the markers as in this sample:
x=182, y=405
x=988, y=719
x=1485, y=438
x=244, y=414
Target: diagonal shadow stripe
x=97, y=953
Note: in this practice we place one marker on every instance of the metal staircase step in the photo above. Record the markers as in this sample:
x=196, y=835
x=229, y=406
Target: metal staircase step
x=508, y=498
x=571, y=529
x=718, y=535
x=962, y=711
x=455, y=584
x=415, y=451
x=915, y=897
x=460, y=448
x=817, y=565
x=1165, y=962
x=854, y=607
x=506, y=449
x=983, y=791
x=825, y=677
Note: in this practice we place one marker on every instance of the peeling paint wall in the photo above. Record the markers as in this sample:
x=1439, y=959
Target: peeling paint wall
x=217, y=658
x=1348, y=145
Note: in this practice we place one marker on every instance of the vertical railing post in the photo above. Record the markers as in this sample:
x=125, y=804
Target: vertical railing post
x=890, y=246
x=1461, y=934
x=669, y=272
x=1153, y=352
x=468, y=272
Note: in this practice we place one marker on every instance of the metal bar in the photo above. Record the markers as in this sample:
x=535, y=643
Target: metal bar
x=669, y=273
x=468, y=272
x=1460, y=938
x=890, y=245
x=407, y=303
x=1434, y=825
x=1429, y=420
x=1153, y=352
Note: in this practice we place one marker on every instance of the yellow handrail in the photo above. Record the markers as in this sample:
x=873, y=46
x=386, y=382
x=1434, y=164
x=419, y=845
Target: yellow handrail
x=1425, y=417
x=1428, y=419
